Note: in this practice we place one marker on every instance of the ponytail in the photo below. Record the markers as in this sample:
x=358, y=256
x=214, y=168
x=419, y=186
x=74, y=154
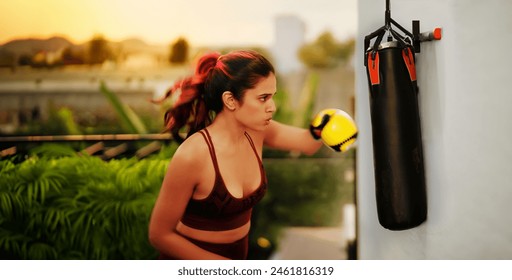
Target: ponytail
x=190, y=108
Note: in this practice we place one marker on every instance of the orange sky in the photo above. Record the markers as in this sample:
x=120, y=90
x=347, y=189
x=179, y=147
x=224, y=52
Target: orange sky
x=162, y=21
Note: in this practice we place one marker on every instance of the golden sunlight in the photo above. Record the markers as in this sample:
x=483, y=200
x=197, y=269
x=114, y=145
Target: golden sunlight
x=81, y=20
x=202, y=22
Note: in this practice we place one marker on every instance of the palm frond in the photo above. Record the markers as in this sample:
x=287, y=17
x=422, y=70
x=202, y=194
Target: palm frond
x=10, y=204
x=53, y=150
x=41, y=251
x=12, y=244
x=6, y=166
x=36, y=179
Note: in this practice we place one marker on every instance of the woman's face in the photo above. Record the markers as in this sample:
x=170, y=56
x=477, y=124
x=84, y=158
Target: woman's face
x=257, y=107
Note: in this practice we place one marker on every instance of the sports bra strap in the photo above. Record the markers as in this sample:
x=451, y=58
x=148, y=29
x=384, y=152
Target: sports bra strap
x=209, y=142
x=253, y=147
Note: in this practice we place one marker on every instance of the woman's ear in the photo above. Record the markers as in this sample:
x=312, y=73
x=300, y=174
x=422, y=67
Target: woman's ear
x=229, y=100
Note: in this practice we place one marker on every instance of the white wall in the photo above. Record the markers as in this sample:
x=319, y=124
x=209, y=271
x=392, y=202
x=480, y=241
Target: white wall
x=466, y=114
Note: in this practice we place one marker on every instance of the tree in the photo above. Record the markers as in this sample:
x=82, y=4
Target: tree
x=179, y=51
x=99, y=50
x=70, y=55
x=326, y=51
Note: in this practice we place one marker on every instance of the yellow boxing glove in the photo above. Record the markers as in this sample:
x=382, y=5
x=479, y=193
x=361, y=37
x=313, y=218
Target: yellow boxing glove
x=336, y=129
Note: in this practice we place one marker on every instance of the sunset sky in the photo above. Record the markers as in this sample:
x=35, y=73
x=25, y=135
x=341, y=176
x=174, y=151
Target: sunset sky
x=202, y=22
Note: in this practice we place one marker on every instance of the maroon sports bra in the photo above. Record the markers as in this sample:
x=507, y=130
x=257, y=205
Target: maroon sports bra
x=220, y=210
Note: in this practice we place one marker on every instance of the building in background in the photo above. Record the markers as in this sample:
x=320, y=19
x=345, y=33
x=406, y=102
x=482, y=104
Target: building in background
x=289, y=37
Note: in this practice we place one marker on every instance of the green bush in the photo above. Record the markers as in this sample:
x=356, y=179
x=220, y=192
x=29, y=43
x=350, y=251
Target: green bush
x=77, y=207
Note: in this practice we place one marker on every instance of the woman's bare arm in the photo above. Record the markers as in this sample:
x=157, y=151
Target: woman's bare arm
x=286, y=137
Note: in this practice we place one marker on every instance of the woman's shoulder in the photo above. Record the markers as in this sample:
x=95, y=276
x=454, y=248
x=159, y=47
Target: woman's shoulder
x=192, y=150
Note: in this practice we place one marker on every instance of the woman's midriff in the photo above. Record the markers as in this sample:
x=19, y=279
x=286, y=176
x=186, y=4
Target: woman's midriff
x=225, y=236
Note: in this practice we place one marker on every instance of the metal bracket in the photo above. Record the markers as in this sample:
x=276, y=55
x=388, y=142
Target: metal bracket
x=416, y=37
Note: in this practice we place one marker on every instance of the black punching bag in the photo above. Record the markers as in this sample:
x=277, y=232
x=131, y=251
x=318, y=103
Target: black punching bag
x=397, y=145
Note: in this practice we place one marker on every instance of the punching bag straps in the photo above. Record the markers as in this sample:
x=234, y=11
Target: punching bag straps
x=373, y=68
x=408, y=56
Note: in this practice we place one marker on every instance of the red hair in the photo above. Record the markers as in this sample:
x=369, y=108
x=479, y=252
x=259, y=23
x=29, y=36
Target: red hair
x=190, y=100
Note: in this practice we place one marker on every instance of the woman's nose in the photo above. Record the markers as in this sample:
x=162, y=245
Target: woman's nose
x=271, y=107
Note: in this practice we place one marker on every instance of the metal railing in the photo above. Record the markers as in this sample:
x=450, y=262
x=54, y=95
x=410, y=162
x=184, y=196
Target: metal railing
x=9, y=145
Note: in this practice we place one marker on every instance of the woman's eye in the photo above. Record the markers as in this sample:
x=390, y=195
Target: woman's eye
x=265, y=97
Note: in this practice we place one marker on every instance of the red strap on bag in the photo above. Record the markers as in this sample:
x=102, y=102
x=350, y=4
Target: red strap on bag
x=373, y=68
x=409, y=62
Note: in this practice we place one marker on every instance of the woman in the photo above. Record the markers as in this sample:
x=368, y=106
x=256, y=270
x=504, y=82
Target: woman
x=216, y=176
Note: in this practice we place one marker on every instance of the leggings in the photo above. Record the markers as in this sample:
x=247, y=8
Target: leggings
x=236, y=250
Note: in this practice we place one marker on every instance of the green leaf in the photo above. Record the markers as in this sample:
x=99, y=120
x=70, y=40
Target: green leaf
x=41, y=251
x=128, y=117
